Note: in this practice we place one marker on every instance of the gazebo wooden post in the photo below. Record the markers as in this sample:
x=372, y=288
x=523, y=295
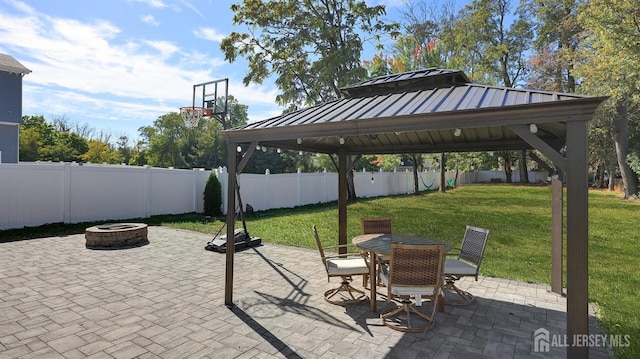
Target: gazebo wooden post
x=557, y=216
x=231, y=220
x=577, y=239
x=342, y=200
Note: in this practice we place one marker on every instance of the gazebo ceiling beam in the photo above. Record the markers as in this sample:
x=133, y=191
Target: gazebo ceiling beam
x=540, y=145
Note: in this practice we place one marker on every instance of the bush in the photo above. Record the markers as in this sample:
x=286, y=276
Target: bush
x=213, y=196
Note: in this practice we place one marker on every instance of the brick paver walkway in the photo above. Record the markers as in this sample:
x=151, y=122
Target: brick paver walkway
x=165, y=300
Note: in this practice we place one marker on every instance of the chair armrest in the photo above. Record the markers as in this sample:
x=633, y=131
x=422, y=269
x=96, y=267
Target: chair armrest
x=346, y=255
x=453, y=252
x=338, y=247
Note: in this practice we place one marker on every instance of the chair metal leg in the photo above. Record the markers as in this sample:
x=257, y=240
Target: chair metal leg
x=408, y=308
x=449, y=286
x=346, y=292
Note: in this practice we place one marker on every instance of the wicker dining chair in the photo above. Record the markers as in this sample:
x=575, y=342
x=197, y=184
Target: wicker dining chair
x=377, y=225
x=414, y=271
x=373, y=225
x=343, y=266
x=467, y=263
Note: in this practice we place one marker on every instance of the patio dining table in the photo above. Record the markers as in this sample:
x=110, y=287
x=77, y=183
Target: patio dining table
x=380, y=244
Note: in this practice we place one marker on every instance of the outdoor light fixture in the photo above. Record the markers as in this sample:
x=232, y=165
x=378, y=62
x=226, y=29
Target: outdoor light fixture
x=533, y=128
x=457, y=132
x=279, y=150
x=341, y=140
x=299, y=140
x=264, y=149
x=239, y=149
x=300, y=153
x=258, y=148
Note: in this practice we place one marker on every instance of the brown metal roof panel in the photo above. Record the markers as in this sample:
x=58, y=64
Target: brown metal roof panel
x=326, y=112
x=515, y=97
x=454, y=99
x=399, y=104
x=473, y=97
x=316, y=113
x=274, y=121
x=390, y=105
x=372, y=106
x=538, y=97
x=355, y=106
x=493, y=98
x=415, y=100
x=435, y=101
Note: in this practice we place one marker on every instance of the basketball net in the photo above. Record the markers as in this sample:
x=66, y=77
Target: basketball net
x=191, y=115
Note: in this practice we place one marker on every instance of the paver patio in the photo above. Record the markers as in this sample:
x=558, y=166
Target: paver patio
x=165, y=300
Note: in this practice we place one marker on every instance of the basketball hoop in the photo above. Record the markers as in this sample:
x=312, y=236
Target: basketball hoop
x=191, y=115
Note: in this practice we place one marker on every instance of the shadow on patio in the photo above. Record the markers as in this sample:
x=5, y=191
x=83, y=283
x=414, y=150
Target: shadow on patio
x=59, y=299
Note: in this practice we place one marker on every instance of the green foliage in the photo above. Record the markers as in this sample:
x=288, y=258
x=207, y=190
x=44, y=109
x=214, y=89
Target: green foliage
x=489, y=49
x=213, y=196
x=44, y=141
x=169, y=143
x=313, y=47
x=35, y=136
x=608, y=65
x=100, y=152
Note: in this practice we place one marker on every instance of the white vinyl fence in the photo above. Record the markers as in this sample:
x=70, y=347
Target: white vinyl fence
x=33, y=194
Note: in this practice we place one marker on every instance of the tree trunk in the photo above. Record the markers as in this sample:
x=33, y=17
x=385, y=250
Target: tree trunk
x=522, y=164
x=600, y=182
x=443, y=179
x=612, y=179
x=416, y=185
x=351, y=188
x=621, y=137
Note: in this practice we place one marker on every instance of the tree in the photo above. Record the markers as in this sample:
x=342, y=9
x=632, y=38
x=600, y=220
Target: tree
x=609, y=66
x=489, y=45
x=100, y=152
x=169, y=143
x=67, y=146
x=126, y=152
x=162, y=141
x=35, y=135
x=313, y=47
x=552, y=64
x=408, y=54
x=492, y=48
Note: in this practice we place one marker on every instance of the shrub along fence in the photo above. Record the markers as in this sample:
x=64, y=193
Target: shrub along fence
x=33, y=194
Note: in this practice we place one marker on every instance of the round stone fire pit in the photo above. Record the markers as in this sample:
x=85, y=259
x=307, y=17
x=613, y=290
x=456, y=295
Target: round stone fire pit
x=116, y=236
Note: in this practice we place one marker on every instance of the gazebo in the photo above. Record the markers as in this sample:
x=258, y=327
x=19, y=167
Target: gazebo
x=435, y=111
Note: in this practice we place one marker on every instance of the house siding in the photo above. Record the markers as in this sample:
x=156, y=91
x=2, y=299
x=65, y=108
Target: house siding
x=9, y=143
x=10, y=115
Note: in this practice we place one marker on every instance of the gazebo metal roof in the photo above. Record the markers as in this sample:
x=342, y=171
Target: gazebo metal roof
x=420, y=112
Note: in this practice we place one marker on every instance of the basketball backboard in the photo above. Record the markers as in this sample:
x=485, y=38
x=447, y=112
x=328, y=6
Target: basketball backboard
x=213, y=96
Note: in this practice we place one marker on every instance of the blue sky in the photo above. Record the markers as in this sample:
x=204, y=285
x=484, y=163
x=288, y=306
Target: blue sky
x=117, y=65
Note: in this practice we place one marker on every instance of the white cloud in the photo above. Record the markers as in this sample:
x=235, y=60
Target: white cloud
x=193, y=8
x=93, y=71
x=158, y=4
x=21, y=6
x=149, y=19
x=208, y=33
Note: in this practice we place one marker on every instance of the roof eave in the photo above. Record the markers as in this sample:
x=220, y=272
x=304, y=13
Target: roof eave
x=580, y=109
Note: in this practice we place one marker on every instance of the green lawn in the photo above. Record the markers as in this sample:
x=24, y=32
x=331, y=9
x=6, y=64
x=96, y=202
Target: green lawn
x=519, y=218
